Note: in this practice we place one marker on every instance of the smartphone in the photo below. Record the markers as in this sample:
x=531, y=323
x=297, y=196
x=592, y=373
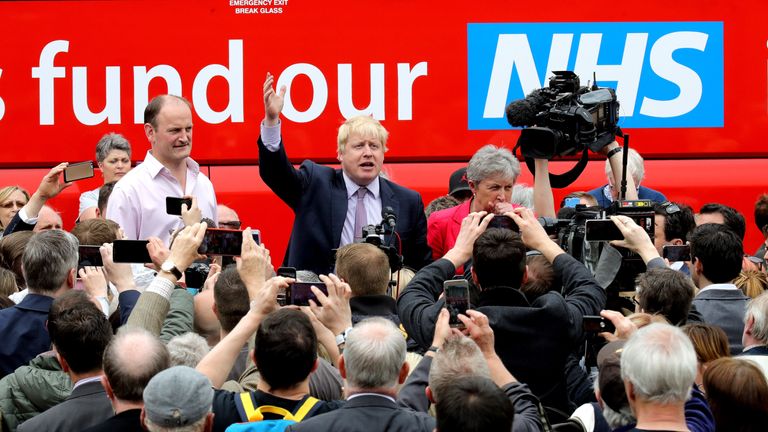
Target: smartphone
x=571, y=202
x=219, y=241
x=287, y=272
x=130, y=251
x=78, y=171
x=597, y=324
x=602, y=230
x=283, y=295
x=502, y=221
x=300, y=293
x=677, y=253
x=456, y=299
x=173, y=205
x=89, y=255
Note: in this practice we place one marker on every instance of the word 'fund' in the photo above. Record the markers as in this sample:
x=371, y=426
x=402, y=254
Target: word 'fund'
x=46, y=72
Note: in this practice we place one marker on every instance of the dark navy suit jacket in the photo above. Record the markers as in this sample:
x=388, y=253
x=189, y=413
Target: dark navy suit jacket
x=318, y=196
x=24, y=332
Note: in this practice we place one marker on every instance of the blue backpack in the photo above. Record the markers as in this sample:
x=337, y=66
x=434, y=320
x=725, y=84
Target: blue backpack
x=253, y=417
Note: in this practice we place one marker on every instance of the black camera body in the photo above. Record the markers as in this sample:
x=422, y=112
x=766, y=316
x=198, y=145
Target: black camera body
x=565, y=118
x=373, y=234
x=571, y=228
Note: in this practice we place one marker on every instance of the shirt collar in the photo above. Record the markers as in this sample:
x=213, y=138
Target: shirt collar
x=720, y=286
x=154, y=166
x=350, y=397
x=86, y=381
x=352, y=187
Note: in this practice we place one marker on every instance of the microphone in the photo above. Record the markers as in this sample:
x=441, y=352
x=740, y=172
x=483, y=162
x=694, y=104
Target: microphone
x=523, y=112
x=388, y=216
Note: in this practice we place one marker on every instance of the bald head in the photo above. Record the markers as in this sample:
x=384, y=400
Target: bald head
x=228, y=218
x=127, y=372
x=48, y=219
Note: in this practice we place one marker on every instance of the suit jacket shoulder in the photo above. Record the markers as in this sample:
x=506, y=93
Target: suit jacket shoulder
x=87, y=406
x=376, y=413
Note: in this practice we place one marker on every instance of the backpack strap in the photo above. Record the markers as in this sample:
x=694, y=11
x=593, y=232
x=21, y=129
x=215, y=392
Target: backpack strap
x=308, y=406
x=244, y=405
x=249, y=413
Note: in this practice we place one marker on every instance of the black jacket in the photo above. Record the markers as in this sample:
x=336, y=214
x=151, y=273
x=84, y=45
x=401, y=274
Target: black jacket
x=532, y=339
x=370, y=413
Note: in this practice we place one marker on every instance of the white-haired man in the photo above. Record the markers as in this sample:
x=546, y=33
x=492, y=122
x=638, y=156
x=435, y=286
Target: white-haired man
x=373, y=363
x=609, y=192
x=658, y=366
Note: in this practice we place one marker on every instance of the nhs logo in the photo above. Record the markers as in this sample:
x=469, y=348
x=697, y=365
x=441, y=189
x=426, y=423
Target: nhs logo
x=666, y=74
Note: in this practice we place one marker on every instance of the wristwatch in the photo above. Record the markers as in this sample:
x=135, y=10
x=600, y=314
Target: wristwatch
x=341, y=338
x=169, y=267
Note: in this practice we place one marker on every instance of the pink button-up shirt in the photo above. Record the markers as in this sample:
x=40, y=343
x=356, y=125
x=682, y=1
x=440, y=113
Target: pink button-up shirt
x=138, y=201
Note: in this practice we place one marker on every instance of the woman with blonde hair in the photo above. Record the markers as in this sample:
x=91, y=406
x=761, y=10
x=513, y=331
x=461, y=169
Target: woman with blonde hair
x=12, y=199
x=752, y=283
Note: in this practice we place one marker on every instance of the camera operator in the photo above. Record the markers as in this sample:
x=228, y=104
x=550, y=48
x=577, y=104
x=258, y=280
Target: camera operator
x=544, y=331
x=609, y=192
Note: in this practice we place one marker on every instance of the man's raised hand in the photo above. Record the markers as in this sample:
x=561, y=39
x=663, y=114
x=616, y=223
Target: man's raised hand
x=273, y=102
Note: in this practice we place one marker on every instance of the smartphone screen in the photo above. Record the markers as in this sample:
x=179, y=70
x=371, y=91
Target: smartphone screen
x=78, y=171
x=501, y=221
x=130, y=251
x=677, y=252
x=256, y=234
x=602, y=230
x=571, y=202
x=173, y=205
x=456, y=300
x=597, y=324
x=219, y=241
x=89, y=255
x=301, y=292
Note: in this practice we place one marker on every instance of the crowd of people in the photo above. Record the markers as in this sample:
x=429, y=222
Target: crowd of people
x=189, y=342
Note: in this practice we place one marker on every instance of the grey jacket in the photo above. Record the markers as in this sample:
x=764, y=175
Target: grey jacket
x=724, y=308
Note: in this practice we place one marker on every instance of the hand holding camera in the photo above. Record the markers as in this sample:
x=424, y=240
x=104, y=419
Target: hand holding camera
x=636, y=238
x=480, y=331
x=251, y=265
x=184, y=248
x=120, y=275
x=191, y=213
x=335, y=312
x=94, y=281
x=471, y=227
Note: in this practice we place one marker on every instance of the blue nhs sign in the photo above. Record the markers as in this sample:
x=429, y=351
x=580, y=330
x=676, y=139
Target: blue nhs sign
x=666, y=74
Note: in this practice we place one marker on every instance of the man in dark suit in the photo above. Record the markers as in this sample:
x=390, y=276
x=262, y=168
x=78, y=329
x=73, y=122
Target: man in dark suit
x=49, y=262
x=332, y=206
x=534, y=339
x=80, y=333
x=373, y=363
x=716, y=253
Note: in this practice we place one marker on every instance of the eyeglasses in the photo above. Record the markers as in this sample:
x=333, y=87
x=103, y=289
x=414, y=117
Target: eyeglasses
x=670, y=207
x=635, y=300
x=230, y=224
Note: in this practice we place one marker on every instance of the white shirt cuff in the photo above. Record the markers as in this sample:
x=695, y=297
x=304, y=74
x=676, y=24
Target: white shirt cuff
x=104, y=305
x=161, y=286
x=26, y=219
x=270, y=136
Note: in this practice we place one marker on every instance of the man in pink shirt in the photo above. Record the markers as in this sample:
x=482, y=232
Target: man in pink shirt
x=138, y=200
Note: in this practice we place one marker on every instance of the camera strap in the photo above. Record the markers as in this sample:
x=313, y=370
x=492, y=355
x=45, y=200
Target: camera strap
x=560, y=181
